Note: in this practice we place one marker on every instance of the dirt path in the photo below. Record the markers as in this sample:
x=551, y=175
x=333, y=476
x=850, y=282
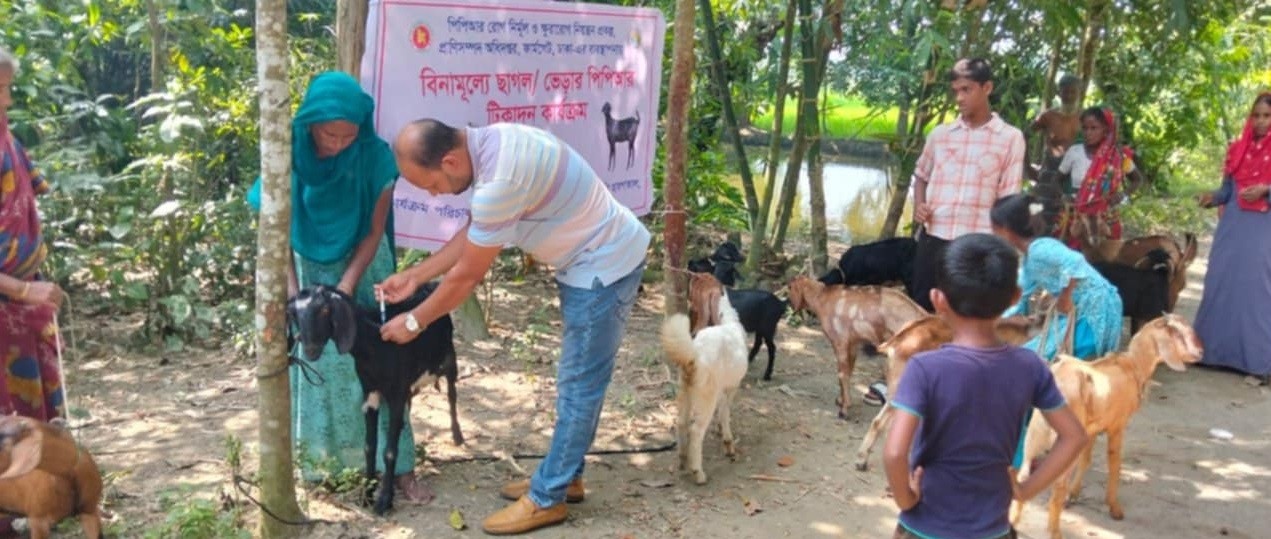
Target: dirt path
x=158, y=425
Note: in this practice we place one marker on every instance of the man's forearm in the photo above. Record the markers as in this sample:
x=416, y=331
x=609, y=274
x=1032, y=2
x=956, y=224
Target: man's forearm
x=441, y=261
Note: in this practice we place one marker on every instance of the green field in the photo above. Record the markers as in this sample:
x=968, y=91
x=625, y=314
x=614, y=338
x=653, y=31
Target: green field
x=845, y=117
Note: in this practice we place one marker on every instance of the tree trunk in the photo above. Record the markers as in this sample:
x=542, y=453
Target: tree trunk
x=1095, y=10
x=725, y=94
x=350, y=34
x=1052, y=70
x=910, y=137
x=158, y=47
x=759, y=232
x=678, y=94
x=818, y=46
x=277, y=490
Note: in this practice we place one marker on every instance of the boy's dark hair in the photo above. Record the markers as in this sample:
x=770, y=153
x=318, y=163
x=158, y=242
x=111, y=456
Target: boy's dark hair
x=1022, y=214
x=973, y=69
x=435, y=139
x=977, y=274
x=1068, y=80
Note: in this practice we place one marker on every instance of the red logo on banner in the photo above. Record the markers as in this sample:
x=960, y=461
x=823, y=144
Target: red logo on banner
x=421, y=37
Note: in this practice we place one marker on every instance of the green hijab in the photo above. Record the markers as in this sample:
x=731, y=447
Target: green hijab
x=333, y=198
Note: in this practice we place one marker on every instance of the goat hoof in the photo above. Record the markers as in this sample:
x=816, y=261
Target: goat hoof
x=458, y=438
x=699, y=477
x=1116, y=513
x=767, y=377
x=862, y=466
x=382, y=505
x=843, y=415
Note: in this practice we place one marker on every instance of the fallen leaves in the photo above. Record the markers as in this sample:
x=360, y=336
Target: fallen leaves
x=456, y=520
x=751, y=507
x=785, y=461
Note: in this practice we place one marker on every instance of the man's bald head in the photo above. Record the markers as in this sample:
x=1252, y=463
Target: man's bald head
x=425, y=142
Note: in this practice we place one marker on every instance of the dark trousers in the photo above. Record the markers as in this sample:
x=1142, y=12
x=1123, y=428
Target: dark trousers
x=925, y=259
x=902, y=533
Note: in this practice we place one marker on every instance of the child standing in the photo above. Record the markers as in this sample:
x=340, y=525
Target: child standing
x=948, y=455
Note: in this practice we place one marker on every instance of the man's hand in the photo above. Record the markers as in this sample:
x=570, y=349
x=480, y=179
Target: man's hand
x=395, y=331
x=1253, y=193
x=1017, y=490
x=397, y=287
x=915, y=486
x=922, y=213
x=1205, y=200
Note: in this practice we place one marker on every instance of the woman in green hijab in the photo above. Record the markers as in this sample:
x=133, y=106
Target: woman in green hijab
x=341, y=192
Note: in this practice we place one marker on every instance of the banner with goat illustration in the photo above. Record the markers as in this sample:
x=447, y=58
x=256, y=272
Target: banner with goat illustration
x=588, y=73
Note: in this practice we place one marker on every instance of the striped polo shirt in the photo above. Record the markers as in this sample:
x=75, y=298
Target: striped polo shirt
x=535, y=192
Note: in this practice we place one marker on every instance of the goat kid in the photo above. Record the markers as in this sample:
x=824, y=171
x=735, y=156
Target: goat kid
x=1105, y=394
x=759, y=310
x=851, y=316
x=623, y=130
x=921, y=335
x=1133, y=252
x=1144, y=287
x=712, y=365
x=45, y=477
x=390, y=373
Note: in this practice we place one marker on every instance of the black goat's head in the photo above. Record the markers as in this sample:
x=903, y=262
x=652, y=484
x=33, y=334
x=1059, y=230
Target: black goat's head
x=322, y=313
x=701, y=265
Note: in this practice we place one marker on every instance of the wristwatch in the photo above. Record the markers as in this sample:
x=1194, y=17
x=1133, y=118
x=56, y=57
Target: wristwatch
x=412, y=324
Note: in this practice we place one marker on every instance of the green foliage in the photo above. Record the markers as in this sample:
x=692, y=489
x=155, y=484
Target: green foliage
x=193, y=518
x=148, y=211
x=845, y=117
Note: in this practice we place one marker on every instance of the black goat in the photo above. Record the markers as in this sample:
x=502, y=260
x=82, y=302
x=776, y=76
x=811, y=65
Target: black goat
x=1144, y=287
x=623, y=130
x=722, y=264
x=875, y=263
x=759, y=311
x=390, y=373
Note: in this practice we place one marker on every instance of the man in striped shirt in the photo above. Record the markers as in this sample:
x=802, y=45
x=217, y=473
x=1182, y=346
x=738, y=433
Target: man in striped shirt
x=965, y=166
x=532, y=191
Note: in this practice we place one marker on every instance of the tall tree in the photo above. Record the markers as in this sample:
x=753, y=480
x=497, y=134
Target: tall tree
x=1096, y=11
x=350, y=34
x=278, y=493
x=724, y=90
x=677, y=100
x=781, y=85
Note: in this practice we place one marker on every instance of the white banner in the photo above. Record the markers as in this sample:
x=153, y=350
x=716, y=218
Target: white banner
x=588, y=73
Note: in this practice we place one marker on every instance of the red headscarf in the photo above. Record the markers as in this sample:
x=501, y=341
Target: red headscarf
x=1247, y=162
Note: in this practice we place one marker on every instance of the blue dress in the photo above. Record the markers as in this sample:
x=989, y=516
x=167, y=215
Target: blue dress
x=1049, y=265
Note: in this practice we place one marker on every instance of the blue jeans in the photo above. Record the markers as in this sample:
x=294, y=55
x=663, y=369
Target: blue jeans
x=595, y=319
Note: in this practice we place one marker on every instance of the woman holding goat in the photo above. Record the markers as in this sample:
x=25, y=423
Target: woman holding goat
x=341, y=188
x=30, y=379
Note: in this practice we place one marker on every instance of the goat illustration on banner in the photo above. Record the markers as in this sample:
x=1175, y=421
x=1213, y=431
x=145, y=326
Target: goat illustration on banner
x=587, y=73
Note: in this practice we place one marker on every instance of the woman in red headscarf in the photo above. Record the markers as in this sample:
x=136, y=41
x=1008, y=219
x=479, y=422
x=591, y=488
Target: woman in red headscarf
x=1234, y=320
x=1098, y=169
x=30, y=383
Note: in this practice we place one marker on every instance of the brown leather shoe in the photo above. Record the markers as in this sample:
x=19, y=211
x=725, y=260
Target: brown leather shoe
x=574, y=492
x=523, y=516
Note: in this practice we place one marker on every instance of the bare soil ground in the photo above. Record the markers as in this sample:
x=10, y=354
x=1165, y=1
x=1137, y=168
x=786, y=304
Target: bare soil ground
x=157, y=426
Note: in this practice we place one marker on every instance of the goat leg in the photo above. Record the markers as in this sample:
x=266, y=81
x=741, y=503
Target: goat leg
x=371, y=412
x=725, y=423
x=41, y=528
x=396, y=421
x=846, y=361
x=1083, y=465
x=871, y=436
x=92, y=524
x=1114, y=474
x=452, y=374
x=772, y=357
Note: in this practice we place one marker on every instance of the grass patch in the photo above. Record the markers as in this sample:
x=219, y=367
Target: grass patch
x=845, y=117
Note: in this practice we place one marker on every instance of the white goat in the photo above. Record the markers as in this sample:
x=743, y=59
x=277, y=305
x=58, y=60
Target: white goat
x=712, y=365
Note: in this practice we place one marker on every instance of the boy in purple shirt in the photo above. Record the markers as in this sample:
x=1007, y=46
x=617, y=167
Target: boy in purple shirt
x=966, y=403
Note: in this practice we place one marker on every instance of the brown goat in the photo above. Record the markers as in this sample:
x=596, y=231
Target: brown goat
x=1105, y=394
x=46, y=477
x=921, y=335
x=1134, y=252
x=704, y=291
x=851, y=316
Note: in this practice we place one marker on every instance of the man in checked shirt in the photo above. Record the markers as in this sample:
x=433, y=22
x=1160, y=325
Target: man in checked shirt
x=965, y=166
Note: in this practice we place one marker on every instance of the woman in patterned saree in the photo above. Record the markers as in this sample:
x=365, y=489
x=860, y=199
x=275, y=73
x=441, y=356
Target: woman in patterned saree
x=30, y=383
x=1098, y=169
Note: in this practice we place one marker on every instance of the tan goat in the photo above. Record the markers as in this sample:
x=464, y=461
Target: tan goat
x=851, y=316
x=1105, y=394
x=46, y=477
x=921, y=335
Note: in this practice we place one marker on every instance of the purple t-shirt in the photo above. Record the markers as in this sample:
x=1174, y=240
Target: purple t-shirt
x=971, y=403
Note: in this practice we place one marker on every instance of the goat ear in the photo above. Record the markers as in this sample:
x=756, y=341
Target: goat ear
x=343, y=323
x=25, y=453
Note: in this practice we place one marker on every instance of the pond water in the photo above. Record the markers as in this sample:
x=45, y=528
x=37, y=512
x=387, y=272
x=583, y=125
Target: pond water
x=856, y=199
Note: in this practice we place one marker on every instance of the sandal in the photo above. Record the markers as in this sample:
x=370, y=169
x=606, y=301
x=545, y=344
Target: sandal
x=877, y=394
